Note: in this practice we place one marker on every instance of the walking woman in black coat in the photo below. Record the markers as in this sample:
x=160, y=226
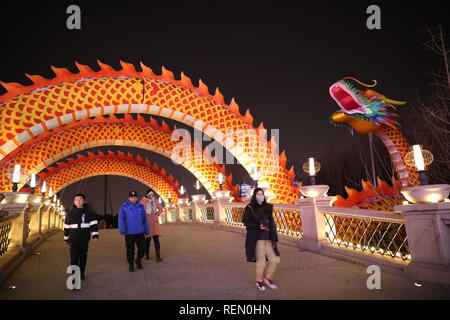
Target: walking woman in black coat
x=261, y=239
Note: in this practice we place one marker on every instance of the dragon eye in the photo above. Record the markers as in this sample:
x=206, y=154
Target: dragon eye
x=368, y=111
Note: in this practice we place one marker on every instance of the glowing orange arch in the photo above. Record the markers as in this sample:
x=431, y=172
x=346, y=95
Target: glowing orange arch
x=82, y=167
x=28, y=111
x=39, y=153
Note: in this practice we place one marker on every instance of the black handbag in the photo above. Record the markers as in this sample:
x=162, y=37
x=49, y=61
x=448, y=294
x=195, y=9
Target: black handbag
x=275, y=248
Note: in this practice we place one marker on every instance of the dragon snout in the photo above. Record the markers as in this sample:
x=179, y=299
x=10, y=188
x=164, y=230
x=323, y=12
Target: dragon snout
x=340, y=117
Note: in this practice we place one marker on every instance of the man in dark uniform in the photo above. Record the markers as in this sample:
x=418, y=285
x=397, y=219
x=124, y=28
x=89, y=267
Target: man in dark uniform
x=80, y=225
x=133, y=224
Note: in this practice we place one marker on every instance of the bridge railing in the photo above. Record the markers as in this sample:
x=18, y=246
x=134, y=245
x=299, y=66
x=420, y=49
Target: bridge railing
x=287, y=217
x=234, y=213
x=357, y=235
x=375, y=232
x=288, y=220
x=25, y=220
x=207, y=213
x=5, y=234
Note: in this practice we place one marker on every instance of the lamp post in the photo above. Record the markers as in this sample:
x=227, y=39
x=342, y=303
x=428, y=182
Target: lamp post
x=44, y=188
x=313, y=190
x=197, y=185
x=182, y=200
x=33, y=183
x=424, y=193
x=220, y=179
x=312, y=171
x=420, y=164
x=419, y=159
x=311, y=167
x=16, y=177
x=182, y=190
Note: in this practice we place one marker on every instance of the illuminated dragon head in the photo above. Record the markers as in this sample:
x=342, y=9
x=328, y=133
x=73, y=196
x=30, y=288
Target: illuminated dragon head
x=363, y=111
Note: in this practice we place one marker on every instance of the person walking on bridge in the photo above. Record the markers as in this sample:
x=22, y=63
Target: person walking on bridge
x=80, y=225
x=133, y=225
x=261, y=239
x=154, y=210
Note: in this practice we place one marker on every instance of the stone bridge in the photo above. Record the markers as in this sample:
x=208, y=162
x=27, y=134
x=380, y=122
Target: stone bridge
x=200, y=262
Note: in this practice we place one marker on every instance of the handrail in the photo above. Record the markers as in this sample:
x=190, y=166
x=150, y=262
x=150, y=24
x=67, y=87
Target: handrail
x=283, y=206
x=9, y=218
x=386, y=216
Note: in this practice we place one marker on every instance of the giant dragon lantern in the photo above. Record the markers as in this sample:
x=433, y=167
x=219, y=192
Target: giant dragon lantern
x=366, y=111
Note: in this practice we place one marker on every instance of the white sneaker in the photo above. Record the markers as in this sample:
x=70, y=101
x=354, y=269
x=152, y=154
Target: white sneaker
x=270, y=284
x=260, y=286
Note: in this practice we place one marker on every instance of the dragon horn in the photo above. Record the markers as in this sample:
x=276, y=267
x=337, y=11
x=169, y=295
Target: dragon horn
x=374, y=82
x=378, y=95
x=394, y=102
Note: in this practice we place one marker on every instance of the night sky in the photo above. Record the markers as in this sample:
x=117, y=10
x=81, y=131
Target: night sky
x=276, y=59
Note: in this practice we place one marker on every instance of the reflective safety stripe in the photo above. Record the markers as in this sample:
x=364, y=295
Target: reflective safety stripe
x=93, y=222
x=94, y=233
x=66, y=237
x=75, y=226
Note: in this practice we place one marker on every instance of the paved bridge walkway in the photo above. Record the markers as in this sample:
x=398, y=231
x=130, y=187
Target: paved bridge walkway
x=200, y=263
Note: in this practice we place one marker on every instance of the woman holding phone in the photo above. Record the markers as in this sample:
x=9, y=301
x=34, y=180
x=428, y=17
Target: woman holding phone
x=261, y=239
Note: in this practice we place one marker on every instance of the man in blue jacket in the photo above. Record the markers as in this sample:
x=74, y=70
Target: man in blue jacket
x=133, y=224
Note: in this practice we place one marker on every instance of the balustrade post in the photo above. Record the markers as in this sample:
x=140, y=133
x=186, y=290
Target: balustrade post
x=181, y=213
x=166, y=215
x=35, y=216
x=52, y=218
x=49, y=217
x=313, y=222
x=58, y=223
x=196, y=212
x=428, y=230
x=163, y=216
x=197, y=200
x=40, y=217
x=170, y=208
x=51, y=211
x=222, y=197
x=55, y=215
x=181, y=204
x=219, y=212
x=17, y=203
x=19, y=231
